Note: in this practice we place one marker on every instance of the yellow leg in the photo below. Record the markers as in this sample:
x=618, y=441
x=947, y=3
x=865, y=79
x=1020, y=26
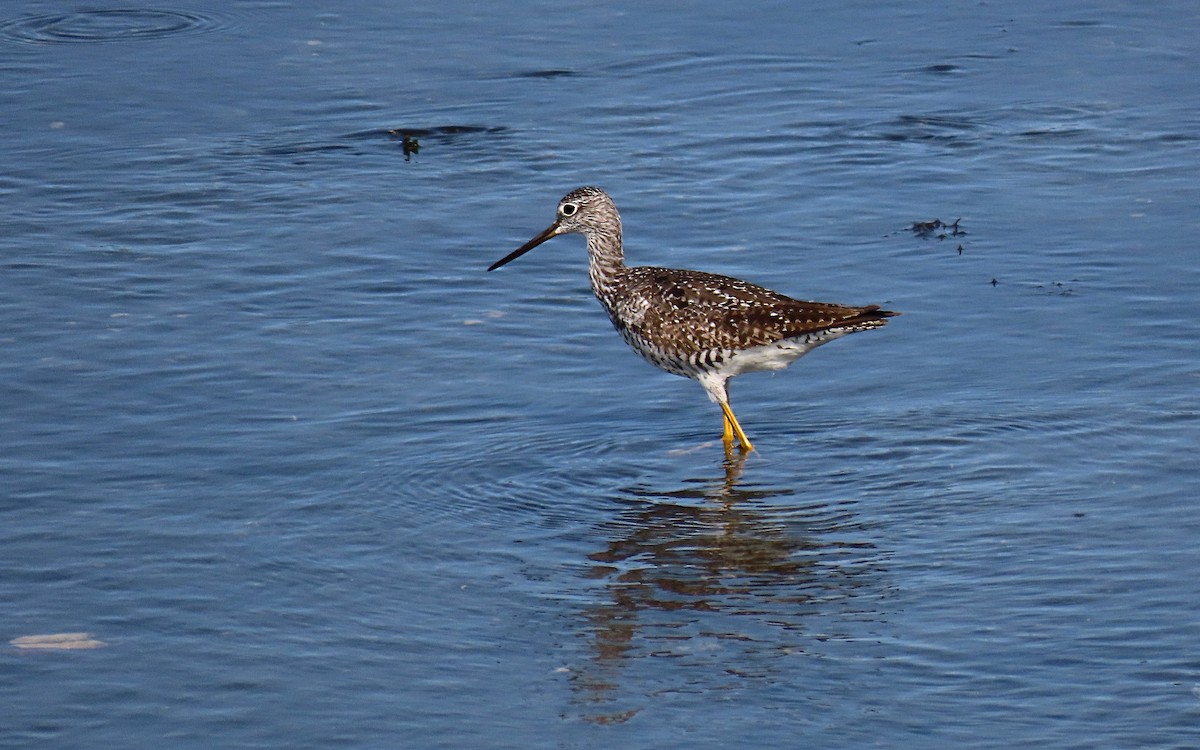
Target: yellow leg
x=733, y=428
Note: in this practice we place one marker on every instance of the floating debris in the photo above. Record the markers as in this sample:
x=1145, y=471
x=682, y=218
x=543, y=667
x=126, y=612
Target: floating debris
x=936, y=229
x=1057, y=288
x=548, y=73
x=410, y=144
x=57, y=641
x=926, y=229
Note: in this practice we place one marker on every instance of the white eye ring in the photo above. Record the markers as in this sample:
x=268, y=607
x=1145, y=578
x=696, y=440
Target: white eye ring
x=568, y=209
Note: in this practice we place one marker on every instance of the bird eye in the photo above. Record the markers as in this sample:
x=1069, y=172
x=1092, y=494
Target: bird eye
x=568, y=209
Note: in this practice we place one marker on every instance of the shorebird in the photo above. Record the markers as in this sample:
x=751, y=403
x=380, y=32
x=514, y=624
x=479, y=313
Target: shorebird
x=700, y=325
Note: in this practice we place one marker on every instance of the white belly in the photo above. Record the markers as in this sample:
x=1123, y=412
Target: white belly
x=775, y=356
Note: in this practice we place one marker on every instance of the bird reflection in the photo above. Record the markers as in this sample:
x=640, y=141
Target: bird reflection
x=715, y=563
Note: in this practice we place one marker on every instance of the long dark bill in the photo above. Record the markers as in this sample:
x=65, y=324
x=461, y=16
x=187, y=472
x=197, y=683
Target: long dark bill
x=549, y=232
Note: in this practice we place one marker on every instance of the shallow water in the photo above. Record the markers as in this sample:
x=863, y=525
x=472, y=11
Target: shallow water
x=310, y=477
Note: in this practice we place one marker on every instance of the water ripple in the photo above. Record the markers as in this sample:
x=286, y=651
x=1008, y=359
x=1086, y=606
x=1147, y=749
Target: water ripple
x=104, y=26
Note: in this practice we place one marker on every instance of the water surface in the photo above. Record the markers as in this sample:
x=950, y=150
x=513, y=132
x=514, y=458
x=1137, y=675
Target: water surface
x=309, y=477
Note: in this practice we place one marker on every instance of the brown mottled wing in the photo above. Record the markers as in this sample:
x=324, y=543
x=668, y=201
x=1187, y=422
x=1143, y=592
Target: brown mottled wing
x=694, y=310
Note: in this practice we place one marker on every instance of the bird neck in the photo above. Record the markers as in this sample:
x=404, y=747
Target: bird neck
x=606, y=258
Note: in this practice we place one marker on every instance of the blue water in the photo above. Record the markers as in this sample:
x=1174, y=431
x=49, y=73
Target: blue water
x=315, y=479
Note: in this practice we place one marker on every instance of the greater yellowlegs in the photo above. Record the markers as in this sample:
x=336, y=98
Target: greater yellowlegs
x=691, y=323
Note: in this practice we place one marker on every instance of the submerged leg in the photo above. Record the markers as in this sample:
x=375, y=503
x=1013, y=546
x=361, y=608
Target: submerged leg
x=717, y=386
x=732, y=426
